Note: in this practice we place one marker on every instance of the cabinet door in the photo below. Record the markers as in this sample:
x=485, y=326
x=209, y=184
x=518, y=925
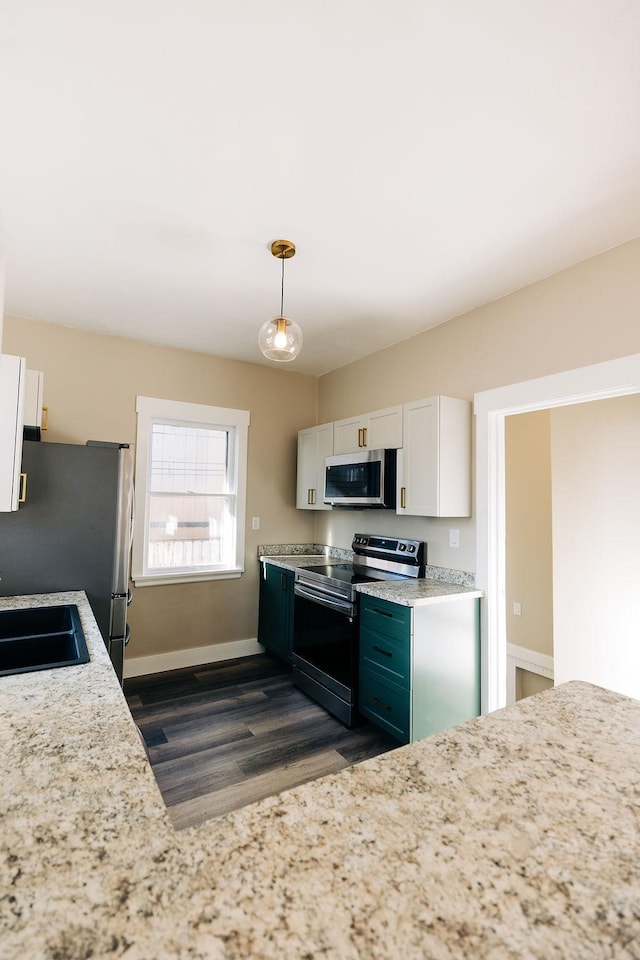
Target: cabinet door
x=306, y=476
x=418, y=470
x=348, y=436
x=314, y=444
x=434, y=475
x=12, y=387
x=34, y=399
x=380, y=430
x=275, y=618
x=384, y=429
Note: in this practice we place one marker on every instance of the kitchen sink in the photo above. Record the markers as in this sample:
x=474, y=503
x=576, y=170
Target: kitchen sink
x=41, y=638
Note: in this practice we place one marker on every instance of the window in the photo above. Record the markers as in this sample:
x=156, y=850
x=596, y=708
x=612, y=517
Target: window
x=191, y=465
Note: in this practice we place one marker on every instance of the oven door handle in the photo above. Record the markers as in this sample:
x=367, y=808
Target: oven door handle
x=340, y=606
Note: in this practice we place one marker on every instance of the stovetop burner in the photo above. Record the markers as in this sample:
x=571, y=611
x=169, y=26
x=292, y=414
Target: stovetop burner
x=349, y=573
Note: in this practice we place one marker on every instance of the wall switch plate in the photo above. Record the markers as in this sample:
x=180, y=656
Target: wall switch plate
x=454, y=538
x=517, y=610
x=255, y=523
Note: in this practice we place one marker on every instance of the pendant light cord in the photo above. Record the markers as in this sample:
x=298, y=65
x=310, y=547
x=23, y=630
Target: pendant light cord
x=282, y=291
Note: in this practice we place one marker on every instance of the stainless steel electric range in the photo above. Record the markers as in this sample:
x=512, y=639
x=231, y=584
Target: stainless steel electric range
x=325, y=635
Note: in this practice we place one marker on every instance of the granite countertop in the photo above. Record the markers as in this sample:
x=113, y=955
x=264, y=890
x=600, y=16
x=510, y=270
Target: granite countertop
x=418, y=592
x=512, y=836
x=439, y=585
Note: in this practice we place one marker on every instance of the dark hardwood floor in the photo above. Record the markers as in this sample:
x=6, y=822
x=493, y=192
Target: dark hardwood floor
x=232, y=733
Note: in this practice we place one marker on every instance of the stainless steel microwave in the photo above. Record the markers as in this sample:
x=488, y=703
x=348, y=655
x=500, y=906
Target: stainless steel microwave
x=363, y=479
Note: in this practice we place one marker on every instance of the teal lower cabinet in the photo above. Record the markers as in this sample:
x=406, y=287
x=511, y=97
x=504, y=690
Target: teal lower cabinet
x=419, y=666
x=275, y=615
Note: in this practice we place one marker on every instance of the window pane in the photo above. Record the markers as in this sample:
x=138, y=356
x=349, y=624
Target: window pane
x=188, y=459
x=189, y=531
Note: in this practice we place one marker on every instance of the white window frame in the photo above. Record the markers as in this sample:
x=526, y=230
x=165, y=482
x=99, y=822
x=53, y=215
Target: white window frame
x=151, y=410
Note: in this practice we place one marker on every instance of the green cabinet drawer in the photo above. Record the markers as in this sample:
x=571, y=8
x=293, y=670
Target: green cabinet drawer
x=385, y=617
x=388, y=655
x=385, y=704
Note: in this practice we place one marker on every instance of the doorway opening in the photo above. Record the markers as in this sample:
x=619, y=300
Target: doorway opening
x=614, y=378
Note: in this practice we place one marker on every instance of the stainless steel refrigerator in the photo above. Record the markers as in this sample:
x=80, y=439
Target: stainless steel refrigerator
x=74, y=531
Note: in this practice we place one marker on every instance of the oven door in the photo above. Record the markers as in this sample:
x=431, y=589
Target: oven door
x=325, y=654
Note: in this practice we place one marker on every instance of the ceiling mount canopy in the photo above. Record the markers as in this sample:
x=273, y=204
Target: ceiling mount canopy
x=280, y=338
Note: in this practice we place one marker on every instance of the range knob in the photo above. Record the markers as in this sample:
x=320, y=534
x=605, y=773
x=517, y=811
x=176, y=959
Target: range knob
x=411, y=548
x=402, y=547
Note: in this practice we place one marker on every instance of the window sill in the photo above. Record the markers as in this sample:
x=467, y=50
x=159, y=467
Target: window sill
x=158, y=580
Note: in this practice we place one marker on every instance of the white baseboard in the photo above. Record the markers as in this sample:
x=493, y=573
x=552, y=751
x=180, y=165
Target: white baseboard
x=531, y=660
x=193, y=657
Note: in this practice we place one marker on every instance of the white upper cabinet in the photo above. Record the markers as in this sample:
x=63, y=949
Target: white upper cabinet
x=434, y=467
x=13, y=372
x=381, y=430
x=314, y=444
x=34, y=408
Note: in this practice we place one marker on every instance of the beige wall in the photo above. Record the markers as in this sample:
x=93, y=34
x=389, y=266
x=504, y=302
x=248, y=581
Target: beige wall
x=595, y=450
x=528, y=547
x=582, y=315
x=91, y=382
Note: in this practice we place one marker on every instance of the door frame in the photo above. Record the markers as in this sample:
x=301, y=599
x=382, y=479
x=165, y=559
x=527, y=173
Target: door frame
x=612, y=378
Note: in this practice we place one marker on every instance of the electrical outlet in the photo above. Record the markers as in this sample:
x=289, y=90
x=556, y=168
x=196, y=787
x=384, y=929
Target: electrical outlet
x=517, y=610
x=454, y=538
x=255, y=523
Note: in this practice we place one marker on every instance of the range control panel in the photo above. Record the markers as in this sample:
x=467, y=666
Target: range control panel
x=393, y=548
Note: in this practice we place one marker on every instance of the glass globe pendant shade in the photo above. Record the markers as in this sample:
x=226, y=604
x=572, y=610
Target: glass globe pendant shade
x=280, y=339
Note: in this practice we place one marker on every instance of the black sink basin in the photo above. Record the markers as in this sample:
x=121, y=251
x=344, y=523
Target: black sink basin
x=40, y=639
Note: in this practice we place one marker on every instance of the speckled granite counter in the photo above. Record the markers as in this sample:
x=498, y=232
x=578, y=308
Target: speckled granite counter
x=416, y=593
x=441, y=584
x=513, y=836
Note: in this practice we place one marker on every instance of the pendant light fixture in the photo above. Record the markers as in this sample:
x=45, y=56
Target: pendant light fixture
x=281, y=338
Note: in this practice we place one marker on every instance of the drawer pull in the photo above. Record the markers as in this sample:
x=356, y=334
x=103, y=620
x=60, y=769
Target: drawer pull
x=385, y=706
x=385, y=653
x=383, y=613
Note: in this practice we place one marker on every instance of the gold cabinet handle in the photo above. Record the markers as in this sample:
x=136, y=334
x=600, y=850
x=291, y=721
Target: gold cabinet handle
x=308, y=496
x=359, y=436
x=22, y=496
x=403, y=497
x=313, y=496
x=45, y=413
x=364, y=436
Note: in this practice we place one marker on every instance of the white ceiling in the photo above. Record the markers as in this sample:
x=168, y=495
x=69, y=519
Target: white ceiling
x=424, y=156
